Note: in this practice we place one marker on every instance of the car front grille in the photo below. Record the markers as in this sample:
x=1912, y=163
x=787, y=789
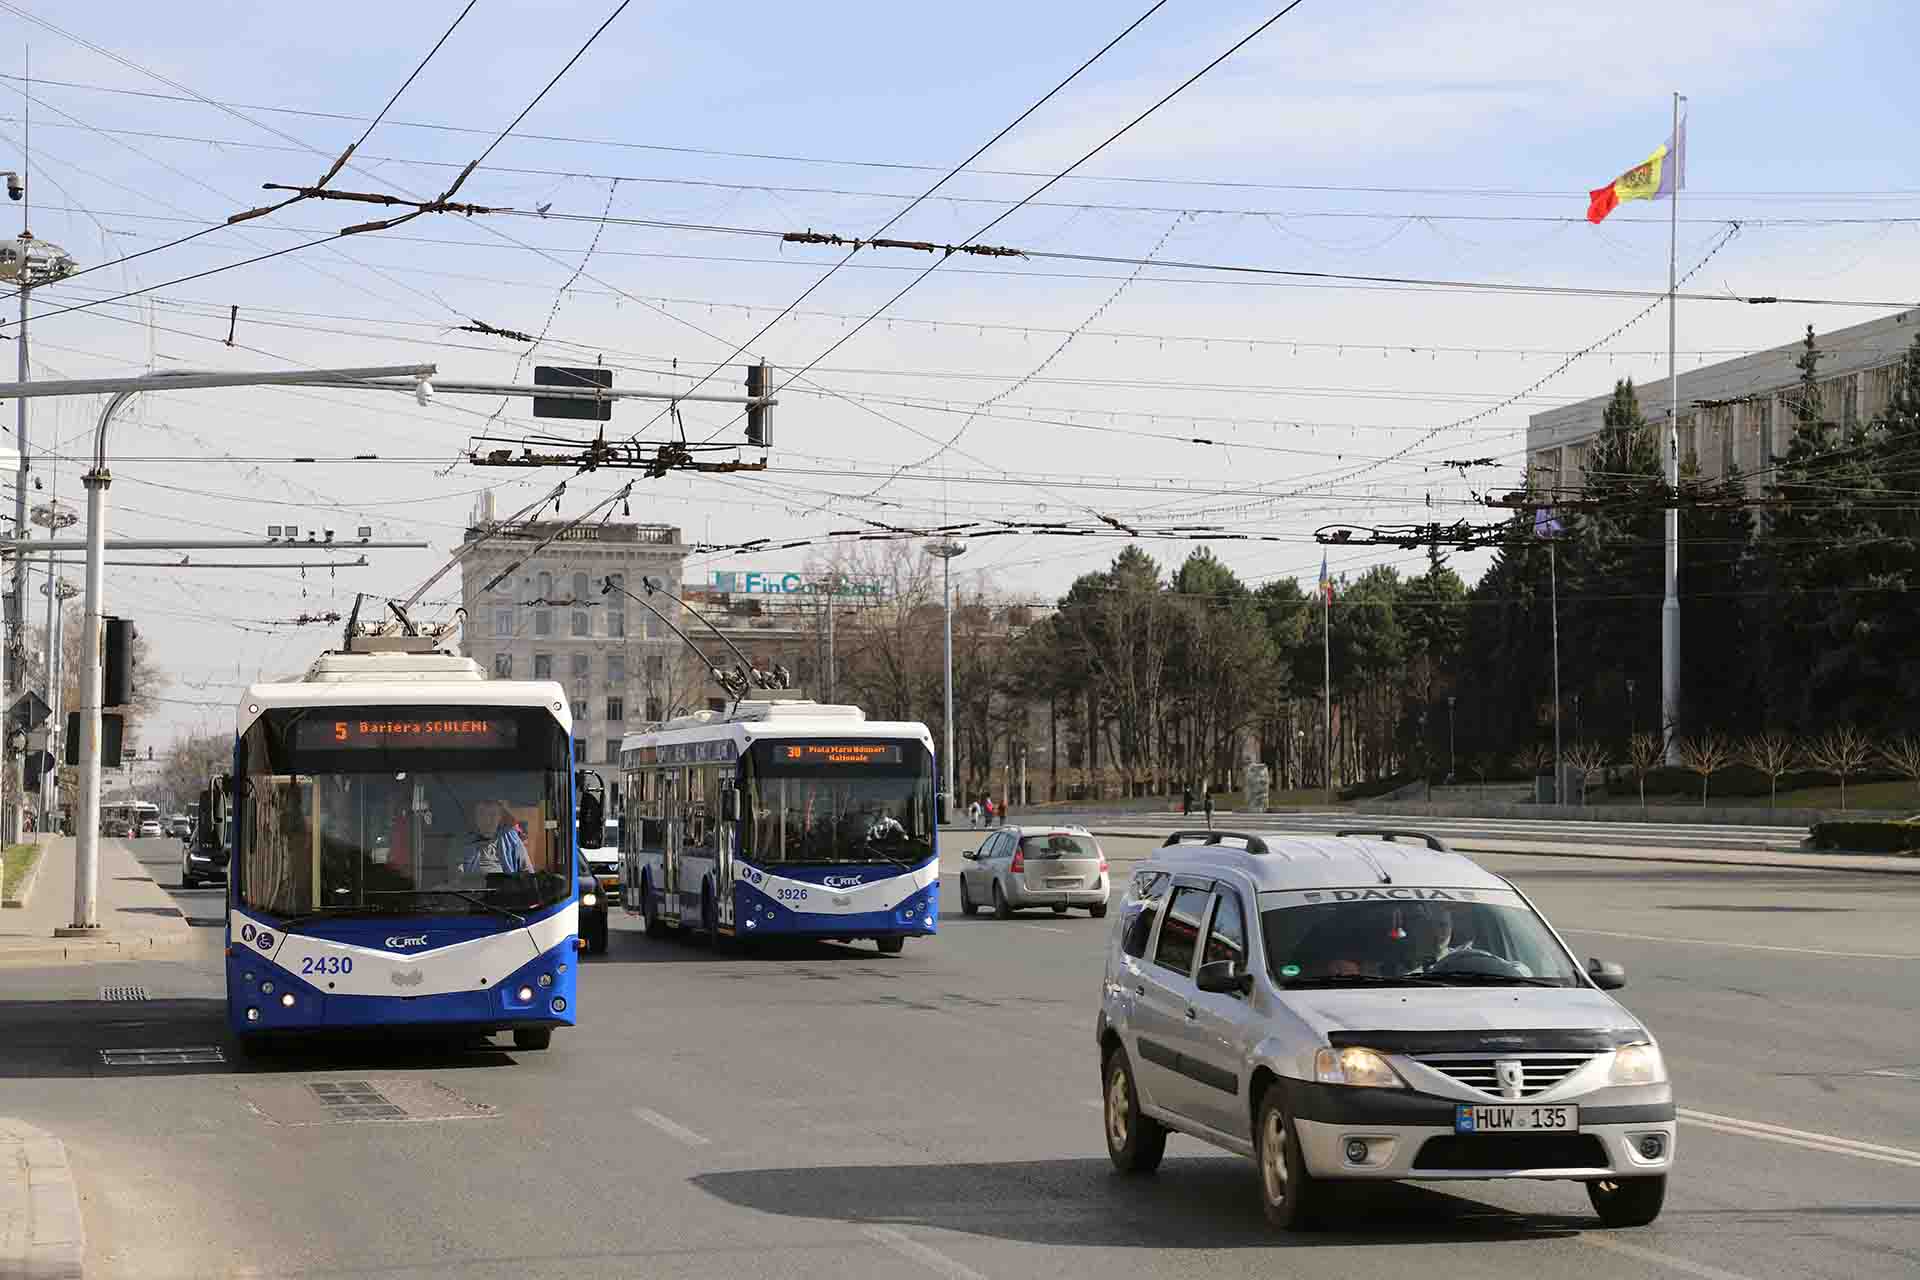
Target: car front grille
x=1512, y=1151
x=1539, y=1071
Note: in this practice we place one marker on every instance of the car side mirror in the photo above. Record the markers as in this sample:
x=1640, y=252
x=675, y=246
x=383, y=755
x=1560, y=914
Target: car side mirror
x=1606, y=975
x=1223, y=977
x=971, y=855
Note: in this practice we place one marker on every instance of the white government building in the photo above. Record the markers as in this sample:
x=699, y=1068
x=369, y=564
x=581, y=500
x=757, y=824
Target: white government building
x=1733, y=414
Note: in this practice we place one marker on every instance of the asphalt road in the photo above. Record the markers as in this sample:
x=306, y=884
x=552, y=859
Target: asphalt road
x=1678, y=835
x=826, y=1112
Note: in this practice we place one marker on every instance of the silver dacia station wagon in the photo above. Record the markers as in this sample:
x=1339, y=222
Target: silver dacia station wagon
x=1370, y=1006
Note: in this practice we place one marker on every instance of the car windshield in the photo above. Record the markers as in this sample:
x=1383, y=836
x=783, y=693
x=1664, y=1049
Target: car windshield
x=838, y=802
x=1410, y=936
x=402, y=825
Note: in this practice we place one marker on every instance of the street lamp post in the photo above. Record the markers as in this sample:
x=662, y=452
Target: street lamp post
x=1452, y=759
x=1633, y=714
x=947, y=551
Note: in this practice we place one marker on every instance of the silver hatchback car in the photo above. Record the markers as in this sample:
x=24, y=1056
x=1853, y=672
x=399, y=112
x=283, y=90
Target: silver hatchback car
x=1356, y=1008
x=1058, y=867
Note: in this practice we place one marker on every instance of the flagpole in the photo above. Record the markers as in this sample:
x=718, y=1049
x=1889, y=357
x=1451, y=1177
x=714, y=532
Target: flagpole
x=1670, y=605
x=1326, y=656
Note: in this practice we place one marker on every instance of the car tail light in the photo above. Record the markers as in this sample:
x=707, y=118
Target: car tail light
x=1019, y=860
x=1103, y=862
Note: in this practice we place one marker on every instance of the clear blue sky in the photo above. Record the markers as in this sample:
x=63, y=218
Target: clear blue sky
x=1427, y=140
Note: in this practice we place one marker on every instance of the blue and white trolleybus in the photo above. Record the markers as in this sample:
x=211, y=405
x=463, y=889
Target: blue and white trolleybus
x=403, y=851
x=782, y=817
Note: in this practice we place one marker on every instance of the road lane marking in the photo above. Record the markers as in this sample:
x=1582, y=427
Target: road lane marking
x=669, y=1127
x=1801, y=1138
x=928, y=1257
x=1700, y=1269
x=1742, y=946
x=1047, y=928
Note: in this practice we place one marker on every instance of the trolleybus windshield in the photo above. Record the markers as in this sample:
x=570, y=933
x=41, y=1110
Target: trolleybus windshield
x=404, y=811
x=828, y=800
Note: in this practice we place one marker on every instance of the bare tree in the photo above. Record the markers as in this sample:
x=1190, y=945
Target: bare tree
x=1589, y=758
x=1645, y=753
x=1536, y=758
x=1706, y=755
x=1774, y=753
x=1841, y=751
x=1480, y=764
x=1903, y=753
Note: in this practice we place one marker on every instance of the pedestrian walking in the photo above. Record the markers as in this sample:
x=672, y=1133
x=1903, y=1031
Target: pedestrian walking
x=1186, y=801
x=989, y=810
x=1209, y=807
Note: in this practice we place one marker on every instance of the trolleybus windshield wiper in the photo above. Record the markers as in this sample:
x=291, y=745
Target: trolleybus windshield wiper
x=477, y=901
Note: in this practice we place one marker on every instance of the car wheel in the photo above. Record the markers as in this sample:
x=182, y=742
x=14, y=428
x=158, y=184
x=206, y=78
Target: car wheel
x=532, y=1038
x=1098, y=911
x=966, y=899
x=1001, y=910
x=710, y=920
x=1291, y=1197
x=1135, y=1142
x=189, y=881
x=1060, y=909
x=890, y=946
x=1628, y=1202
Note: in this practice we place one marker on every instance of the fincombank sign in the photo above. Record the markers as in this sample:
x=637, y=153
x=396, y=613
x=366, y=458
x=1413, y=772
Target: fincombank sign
x=754, y=582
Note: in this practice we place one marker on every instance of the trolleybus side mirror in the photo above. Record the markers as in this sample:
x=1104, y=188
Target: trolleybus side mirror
x=729, y=805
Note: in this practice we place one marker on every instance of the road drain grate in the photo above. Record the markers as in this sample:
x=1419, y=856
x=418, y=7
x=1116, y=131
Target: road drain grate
x=123, y=993
x=161, y=1057
x=355, y=1100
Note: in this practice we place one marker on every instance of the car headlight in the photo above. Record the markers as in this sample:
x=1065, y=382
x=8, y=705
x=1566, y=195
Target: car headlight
x=1355, y=1066
x=1637, y=1064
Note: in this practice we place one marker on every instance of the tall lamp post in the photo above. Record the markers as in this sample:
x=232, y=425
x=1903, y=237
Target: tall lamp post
x=26, y=263
x=947, y=550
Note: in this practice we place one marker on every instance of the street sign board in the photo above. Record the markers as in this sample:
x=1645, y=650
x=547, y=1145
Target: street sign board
x=29, y=711
x=566, y=407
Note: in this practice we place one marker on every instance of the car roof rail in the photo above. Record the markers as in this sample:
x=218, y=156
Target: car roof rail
x=1206, y=835
x=1390, y=834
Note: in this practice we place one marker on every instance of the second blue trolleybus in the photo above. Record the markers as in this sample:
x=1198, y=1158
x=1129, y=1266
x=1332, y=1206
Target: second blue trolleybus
x=782, y=818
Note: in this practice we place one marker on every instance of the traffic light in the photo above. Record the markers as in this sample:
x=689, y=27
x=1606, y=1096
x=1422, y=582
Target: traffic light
x=117, y=689
x=111, y=726
x=759, y=416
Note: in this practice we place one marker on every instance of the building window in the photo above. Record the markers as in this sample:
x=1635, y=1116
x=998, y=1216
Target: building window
x=542, y=623
x=503, y=622
x=653, y=709
x=582, y=623
x=654, y=628
x=616, y=671
x=580, y=750
x=582, y=666
x=616, y=709
x=543, y=666
x=613, y=757
x=616, y=619
x=503, y=666
x=581, y=591
x=544, y=586
x=656, y=666
x=580, y=711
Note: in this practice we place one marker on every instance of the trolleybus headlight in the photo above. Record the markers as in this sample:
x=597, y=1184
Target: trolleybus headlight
x=253, y=1015
x=525, y=995
x=559, y=1004
x=286, y=1000
x=546, y=980
x=266, y=988
x=589, y=899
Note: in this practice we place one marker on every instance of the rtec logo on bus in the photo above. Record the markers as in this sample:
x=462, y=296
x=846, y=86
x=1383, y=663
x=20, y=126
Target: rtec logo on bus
x=407, y=940
x=840, y=882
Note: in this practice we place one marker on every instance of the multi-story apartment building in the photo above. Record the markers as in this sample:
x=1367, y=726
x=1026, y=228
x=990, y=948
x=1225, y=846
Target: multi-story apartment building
x=548, y=619
x=1736, y=413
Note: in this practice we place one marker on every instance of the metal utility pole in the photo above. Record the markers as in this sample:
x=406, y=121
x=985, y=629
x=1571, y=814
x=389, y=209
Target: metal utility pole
x=1553, y=576
x=86, y=873
x=947, y=551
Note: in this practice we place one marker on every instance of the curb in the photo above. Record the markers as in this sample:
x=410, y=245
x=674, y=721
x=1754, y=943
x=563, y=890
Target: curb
x=53, y=951
x=24, y=894
x=44, y=1236
x=1802, y=862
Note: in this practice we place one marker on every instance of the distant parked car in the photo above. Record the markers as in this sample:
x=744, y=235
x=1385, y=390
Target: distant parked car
x=180, y=825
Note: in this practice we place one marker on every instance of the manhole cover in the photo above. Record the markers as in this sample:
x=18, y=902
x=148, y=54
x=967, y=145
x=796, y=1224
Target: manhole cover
x=355, y=1100
x=161, y=1057
x=123, y=993
x=393, y=1100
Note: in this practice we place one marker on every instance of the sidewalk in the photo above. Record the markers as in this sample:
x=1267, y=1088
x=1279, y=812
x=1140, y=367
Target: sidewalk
x=137, y=916
x=1882, y=864
x=41, y=1235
